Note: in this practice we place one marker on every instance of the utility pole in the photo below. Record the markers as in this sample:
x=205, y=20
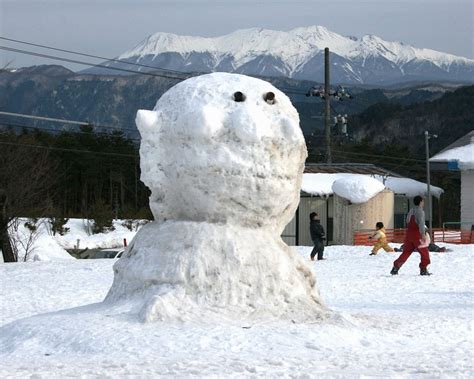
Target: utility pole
x=327, y=113
x=428, y=179
x=325, y=94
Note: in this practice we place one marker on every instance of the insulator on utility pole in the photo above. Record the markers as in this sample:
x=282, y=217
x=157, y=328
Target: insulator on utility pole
x=326, y=94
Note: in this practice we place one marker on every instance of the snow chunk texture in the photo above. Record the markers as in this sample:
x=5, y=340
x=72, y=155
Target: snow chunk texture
x=192, y=271
x=225, y=177
x=208, y=158
x=357, y=189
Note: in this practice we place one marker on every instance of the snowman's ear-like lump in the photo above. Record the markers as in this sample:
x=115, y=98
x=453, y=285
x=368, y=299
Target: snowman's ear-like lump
x=147, y=122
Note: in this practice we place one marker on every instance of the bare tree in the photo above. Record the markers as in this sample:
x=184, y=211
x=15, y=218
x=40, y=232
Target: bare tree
x=23, y=234
x=25, y=178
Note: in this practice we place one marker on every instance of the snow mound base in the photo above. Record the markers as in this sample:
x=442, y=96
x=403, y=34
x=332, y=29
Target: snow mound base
x=189, y=270
x=224, y=164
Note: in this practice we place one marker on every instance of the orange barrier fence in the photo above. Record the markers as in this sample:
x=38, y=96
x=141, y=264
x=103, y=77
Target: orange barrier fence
x=457, y=236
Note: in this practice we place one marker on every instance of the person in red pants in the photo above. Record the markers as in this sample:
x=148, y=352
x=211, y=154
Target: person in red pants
x=415, y=239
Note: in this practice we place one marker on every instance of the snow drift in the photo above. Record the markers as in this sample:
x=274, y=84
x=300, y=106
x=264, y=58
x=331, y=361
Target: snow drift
x=225, y=177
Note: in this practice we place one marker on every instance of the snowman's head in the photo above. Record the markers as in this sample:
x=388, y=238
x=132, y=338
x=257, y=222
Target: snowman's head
x=223, y=148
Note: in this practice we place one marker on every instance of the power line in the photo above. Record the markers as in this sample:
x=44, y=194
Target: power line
x=286, y=90
x=10, y=125
x=54, y=57
x=87, y=124
x=82, y=123
x=393, y=165
x=136, y=139
x=135, y=156
x=90, y=55
x=64, y=121
x=70, y=150
x=380, y=156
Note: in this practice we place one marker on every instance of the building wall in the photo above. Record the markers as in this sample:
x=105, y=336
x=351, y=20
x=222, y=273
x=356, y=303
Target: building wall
x=401, y=208
x=351, y=217
x=308, y=205
x=289, y=233
x=467, y=198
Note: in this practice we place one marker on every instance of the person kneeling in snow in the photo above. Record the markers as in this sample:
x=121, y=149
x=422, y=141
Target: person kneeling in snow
x=415, y=238
x=431, y=246
x=381, y=239
x=317, y=235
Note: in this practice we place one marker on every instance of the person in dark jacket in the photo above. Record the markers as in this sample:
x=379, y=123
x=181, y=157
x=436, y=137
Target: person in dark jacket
x=415, y=239
x=317, y=235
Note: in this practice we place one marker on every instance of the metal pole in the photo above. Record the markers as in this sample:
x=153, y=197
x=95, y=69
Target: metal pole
x=327, y=99
x=430, y=213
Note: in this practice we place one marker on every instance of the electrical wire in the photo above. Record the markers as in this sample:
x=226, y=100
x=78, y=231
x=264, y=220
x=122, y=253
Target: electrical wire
x=68, y=150
x=187, y=74
x=90, y=55
x=54, y=57
x=379, y=156
x=38, y=128
x=64, y=121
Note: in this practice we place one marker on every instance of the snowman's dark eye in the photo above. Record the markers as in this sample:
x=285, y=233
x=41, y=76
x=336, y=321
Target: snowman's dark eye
x=239, y=97
x=269, y=97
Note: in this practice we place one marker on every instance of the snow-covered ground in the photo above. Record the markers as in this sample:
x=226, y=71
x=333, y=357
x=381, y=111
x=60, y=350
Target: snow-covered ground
x=42, y=245
x=383, y=326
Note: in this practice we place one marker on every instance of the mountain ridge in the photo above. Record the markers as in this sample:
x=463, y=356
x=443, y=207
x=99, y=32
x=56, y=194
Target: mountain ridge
x=298, y=54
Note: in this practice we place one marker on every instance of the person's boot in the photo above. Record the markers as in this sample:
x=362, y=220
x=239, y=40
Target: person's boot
x=424, y=271
x=373, y=253
x=394, y=271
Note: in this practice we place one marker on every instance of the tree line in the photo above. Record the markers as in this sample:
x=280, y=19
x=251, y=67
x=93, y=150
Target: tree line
x=95, y=175
x=82, y=174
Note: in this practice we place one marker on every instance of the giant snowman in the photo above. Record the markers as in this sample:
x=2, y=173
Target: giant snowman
x=223, y=156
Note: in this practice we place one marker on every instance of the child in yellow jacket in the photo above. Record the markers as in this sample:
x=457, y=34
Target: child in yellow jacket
x=381, y=239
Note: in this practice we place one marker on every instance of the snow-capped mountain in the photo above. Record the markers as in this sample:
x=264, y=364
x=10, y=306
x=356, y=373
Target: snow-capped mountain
x=298, y=54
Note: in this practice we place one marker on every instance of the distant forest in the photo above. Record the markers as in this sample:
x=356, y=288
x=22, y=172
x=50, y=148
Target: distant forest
x=96, y=175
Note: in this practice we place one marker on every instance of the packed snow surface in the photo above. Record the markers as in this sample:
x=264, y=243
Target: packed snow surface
x=463, y=154
x=322, y=185
x=225, y=180
x=395, y=327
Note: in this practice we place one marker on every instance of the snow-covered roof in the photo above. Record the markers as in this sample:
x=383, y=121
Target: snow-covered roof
x=409, y=187
x=359, y=188
x=464, y=155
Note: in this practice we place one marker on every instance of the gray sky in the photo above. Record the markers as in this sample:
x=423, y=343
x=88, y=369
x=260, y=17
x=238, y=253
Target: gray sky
x=110, y=27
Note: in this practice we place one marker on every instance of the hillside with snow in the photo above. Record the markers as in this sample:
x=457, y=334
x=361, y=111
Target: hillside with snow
x=299, y=54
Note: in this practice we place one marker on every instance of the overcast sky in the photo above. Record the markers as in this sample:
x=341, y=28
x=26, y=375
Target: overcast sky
x=110, y=27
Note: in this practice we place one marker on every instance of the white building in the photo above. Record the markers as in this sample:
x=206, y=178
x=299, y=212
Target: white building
x=459, y=156
x=350, y=197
